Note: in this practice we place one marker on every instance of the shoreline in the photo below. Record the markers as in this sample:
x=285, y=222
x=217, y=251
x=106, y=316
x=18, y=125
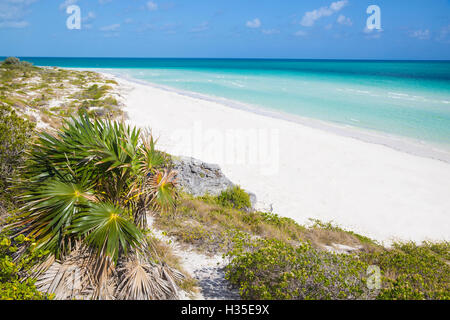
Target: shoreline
x=369, y=188
x=403, y=144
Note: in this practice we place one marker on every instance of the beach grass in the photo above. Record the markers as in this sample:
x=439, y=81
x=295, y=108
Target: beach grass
x=47, y=95
x=254, y=243
x=210, y=223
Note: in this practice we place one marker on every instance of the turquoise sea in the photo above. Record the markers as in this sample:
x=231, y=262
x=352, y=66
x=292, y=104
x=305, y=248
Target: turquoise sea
x=409, y=99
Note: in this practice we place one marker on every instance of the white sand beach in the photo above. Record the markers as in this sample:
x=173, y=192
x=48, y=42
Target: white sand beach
x=299, y=171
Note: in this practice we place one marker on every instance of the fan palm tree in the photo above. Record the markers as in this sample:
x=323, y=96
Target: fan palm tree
x=86, y=193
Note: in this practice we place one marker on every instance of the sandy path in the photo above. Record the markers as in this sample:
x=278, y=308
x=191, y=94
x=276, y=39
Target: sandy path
x=209, y=273
x=303, y=172
x=207, y=270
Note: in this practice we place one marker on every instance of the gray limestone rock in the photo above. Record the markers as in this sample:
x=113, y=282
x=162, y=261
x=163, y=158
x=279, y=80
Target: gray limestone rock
x=199, y=178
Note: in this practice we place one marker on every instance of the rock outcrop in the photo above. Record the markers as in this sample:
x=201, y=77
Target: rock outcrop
x=199, y=178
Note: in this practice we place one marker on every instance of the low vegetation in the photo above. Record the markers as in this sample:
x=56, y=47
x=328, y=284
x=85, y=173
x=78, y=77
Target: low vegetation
x=271, y=269
x=14, y=271
x=15, y=136
x=48, y=95
x=211, y=225
x=273, y=257
x=414, y=272
x=235, y=198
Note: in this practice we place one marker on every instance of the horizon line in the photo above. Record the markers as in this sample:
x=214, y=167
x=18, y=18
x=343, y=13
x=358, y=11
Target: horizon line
x=224, y=58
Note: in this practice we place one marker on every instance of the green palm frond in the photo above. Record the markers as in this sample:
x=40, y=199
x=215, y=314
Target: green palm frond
x=107, y=230
x=50, y=211
x=118, y=147
x=151, y=159
x=52, y=155
x=162, y=189
x=157, y=194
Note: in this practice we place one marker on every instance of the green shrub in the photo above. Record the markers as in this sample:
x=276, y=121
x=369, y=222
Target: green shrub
x=16, y=63
x=413, y=272
x=12, y=285
x=15, y=133
x=109, y=101
x=235, y=198
x=272, y=269
x=11, y=61
x=17, y=290
x=94, y=92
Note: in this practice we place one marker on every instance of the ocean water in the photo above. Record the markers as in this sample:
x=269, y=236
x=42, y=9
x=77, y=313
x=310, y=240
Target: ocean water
x=402, y=99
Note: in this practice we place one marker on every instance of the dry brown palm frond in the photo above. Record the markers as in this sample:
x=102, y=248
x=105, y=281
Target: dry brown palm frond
x=136, y=282
x=42, y=267
x=68, y=279
x=102, y=270
x=141, y=279
x=82, y=275
x=61, y=279
x=171, y=276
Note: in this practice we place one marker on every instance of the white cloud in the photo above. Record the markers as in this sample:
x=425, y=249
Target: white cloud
x=255, y=23
x=300, y=33
x=420, y=34
x=311, y=17
x=113, y=27
x=444, y=35
x=344, y=20
x=270, y=31
x=152, y=6
x=200, y=28
x=338, y=5
x=14, y=24
x=12, y=13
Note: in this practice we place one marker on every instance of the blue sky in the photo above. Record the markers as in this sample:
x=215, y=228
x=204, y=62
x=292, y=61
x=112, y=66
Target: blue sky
x=320, y=29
